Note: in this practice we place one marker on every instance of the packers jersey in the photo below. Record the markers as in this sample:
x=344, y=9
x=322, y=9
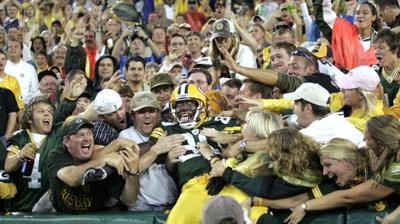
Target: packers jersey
x=31, y=188
x=192, y=163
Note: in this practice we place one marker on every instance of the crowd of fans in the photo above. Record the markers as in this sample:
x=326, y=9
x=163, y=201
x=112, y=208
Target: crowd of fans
x=269, y=104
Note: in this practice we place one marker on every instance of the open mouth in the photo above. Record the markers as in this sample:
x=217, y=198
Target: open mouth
x=46, y=122
x=85, y=148
x=185, y=117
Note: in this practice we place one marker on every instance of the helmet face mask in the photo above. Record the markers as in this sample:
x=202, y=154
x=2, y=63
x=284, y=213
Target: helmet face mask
x=186, y=110
x=188, y=105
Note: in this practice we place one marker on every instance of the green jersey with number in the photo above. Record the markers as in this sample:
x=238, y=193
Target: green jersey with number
x=192, y=163
x=31, y=188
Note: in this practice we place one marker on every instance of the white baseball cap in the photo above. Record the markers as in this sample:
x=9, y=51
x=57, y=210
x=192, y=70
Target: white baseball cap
x=107, y=101
x=310, y=92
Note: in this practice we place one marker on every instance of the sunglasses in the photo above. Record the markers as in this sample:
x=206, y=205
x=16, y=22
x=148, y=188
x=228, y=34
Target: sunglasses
x=281, y=27
x=303, y=54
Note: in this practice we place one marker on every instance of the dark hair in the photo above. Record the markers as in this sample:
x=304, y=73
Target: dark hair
x=41, y=40
x=56, y=22
x=391, y=3
x=125, y=90
x=136, y=58
x=28, y=112
x=377, y=24
x=318, y=111
x=204, y=71
x=175, y=35
x=308, y=58
x=3, y=53
x=287, y=46
x=233, y=83
x=256, y=87
x=197, y=34
x=391, y=38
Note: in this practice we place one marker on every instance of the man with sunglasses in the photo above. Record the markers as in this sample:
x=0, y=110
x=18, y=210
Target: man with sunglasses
x=303, y=67
x=283, y=33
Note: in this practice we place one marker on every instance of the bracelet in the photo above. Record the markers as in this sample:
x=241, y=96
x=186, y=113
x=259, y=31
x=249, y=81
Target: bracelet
x=304, y=206
x=251, y=201
x=133, y=173
x=214, y=159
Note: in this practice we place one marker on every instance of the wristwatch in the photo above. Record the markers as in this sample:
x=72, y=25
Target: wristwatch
x=133, y=173
x=242, y=145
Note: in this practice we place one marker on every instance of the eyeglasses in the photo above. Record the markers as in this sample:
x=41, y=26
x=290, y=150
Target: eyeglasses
x=303, y=54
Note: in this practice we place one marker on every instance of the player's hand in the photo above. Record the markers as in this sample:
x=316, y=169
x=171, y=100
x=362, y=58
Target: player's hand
x=215, y=185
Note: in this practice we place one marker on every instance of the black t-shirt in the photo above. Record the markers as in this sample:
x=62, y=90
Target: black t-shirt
x=90, y=197
x=8, y=104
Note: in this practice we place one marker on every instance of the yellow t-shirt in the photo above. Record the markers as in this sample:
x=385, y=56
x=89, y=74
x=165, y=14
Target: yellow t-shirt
x=11, y=83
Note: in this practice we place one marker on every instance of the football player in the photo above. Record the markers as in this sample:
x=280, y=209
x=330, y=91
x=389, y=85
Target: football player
x=188, y=106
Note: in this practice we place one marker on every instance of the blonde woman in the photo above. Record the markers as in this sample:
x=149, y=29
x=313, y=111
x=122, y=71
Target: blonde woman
x=360, y=91
x=382, y=135
x=259, y=125
x=296, y=167
x=341, y=161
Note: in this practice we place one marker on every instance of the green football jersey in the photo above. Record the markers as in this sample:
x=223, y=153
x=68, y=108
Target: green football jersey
x=31, y=188
x=192, y=163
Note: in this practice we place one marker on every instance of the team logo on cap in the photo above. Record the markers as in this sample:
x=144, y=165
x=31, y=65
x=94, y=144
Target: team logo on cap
x=219, y=26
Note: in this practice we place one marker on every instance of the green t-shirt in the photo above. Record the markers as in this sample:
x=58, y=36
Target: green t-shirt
x=90, y=197
x=192, y=164
x=31, y=188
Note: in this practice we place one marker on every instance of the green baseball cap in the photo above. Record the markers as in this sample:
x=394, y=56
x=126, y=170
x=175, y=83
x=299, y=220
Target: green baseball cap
x=161, y=79
x=73, y=123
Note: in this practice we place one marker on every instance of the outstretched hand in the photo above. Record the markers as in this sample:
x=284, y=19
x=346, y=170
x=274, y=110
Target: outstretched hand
x=297, y=215
x=116, y=82
x=228, y=61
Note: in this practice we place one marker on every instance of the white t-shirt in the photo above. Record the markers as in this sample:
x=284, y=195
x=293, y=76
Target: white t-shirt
x=157, y=188
x=26, y=76
x=333, y=126
x=246, y=58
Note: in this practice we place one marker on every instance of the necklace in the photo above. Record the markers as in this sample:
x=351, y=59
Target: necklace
x=392, y=75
